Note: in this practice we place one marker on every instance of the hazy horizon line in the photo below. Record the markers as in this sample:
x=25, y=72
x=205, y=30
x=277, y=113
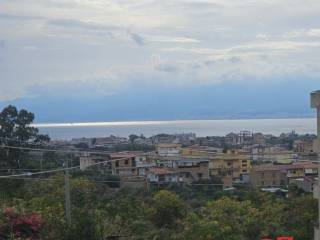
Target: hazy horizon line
x=153, y=122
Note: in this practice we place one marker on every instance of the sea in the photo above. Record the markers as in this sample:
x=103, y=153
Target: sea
x=202, y=128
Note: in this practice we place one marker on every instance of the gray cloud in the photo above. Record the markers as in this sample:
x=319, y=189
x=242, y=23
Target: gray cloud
x=136, y=38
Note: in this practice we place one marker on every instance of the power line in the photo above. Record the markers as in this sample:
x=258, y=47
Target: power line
x=54, y=150
x=120, y=181
x=63, y=169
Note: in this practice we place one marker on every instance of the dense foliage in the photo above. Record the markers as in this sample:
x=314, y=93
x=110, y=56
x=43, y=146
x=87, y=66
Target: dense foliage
x=16, y=130
x=99, y=212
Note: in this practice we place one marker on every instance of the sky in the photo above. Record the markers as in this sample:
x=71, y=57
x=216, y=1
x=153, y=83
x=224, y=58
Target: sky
x=113, y=60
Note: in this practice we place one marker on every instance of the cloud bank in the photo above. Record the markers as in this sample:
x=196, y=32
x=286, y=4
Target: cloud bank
x=106, y=46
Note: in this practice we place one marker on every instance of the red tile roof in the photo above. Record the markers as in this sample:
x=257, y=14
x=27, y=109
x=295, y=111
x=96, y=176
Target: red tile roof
x=298, y=165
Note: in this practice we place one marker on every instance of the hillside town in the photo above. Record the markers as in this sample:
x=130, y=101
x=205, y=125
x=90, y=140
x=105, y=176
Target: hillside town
x=272, y=163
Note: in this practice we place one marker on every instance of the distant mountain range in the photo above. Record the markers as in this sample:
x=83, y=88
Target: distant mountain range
x=283, y=99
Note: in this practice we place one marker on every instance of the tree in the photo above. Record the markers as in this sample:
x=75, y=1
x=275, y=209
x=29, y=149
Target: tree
x=301, y=217
x=133, y=137
x=16, y=130
x=168, y=209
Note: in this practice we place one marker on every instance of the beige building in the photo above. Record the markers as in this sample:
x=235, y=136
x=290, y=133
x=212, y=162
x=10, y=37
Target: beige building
x=300, y=170
x=231, y=164
x=125, y=163
x=271, y=154
x=162, y=175
x=267, y=175
x=168, y=150
x=303, y=147
x=200, y=151
x=193, y=170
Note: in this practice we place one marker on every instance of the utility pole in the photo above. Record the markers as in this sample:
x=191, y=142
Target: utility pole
x=67, y=192
x=315, y=103
x=41, y=160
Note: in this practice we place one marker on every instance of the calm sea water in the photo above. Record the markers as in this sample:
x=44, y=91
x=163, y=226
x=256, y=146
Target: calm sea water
x=200, y=127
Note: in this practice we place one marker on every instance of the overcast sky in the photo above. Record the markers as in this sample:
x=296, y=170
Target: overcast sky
x=103, y=48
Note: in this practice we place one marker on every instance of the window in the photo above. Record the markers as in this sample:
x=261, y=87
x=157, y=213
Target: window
x=200, y=175
x=117, y=163
x=126, y=162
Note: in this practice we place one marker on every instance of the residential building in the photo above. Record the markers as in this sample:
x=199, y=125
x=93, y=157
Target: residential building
x=143, y=164
x=200, y=151
x=267, y=175
x=245, y=138
x=230, y=164
x=193, y=170
x=168, y=150
x=302, y=146
x=306, y=183
x=271, y=154
x=124, y=163
x=300, y=170
x=162, y=175
x=232, y=139
x=242, y=138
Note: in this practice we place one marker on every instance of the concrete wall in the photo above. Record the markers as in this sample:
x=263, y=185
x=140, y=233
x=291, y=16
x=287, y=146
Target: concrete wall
x=316, y=233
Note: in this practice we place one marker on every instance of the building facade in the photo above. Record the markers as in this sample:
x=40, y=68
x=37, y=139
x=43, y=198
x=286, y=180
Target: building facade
x=267, y=175
x=231, y=164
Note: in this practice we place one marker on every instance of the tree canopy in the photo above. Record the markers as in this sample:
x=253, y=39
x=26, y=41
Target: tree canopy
x=16, y=130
